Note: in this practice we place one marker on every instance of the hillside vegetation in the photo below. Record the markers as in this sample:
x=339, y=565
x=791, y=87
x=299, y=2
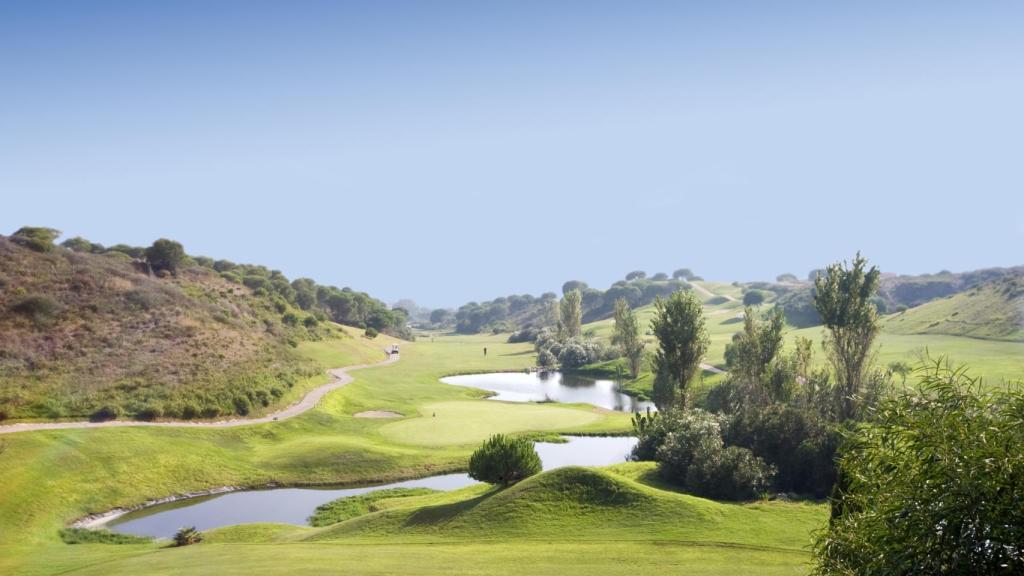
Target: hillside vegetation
x=994, y=311
x=93, y=332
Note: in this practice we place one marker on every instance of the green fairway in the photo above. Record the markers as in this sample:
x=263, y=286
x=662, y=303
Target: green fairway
x=467, y=422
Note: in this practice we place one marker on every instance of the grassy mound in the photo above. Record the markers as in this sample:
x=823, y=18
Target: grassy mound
x=587, y=504
x=994, y=311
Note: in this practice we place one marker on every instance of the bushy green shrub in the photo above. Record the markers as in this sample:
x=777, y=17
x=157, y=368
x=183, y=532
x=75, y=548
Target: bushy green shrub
x=35, y=238
x=39, y=308
x=504, y=460
x=165, y=256
x=104, y=413
x=753, y=298
x=242, y=405
x=371, y=332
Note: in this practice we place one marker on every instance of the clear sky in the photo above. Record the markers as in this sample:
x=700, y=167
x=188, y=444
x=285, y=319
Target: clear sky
x=461, y=151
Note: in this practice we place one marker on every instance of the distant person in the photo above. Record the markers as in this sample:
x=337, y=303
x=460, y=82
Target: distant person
x=485, y=351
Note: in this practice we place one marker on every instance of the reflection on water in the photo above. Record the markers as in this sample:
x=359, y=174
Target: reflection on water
x=552, y=387
x=295, y=505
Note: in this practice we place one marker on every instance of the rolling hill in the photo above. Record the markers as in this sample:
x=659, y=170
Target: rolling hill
x=993, y=311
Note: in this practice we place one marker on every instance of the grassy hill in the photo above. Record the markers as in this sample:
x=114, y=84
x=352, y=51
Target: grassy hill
x=993, y=311
x=89, y=332
x=623, y=502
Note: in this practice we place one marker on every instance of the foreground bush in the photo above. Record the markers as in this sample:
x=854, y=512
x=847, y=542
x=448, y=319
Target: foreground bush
x=934, y=485
x=504, y=460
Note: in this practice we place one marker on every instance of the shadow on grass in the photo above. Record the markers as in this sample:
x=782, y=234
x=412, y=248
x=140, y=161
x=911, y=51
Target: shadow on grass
x=432, y=515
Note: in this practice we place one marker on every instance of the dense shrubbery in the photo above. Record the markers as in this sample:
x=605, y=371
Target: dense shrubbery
x=691, y=452
x=504, y=460
x=87, y=536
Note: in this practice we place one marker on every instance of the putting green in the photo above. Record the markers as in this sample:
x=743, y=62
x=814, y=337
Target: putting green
x=469, y=422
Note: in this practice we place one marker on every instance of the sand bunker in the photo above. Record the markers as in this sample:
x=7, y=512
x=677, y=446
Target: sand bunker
x=378, y=414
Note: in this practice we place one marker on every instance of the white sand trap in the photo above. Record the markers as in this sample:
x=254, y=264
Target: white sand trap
x=378, y=414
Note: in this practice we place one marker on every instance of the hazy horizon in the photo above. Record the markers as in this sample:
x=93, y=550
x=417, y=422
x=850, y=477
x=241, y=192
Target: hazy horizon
x=452, y=152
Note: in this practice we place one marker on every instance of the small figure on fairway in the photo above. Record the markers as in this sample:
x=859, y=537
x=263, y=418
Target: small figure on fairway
x=485, y=351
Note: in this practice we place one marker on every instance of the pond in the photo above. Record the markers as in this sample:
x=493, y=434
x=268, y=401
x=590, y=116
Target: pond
x=552, y=387
x=295, y=505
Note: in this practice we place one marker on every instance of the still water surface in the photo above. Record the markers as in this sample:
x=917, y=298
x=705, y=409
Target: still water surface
x=295, y=505
x=552, y=387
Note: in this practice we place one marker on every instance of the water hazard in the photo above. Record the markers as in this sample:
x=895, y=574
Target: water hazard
x=295, y=505
x=552, y=387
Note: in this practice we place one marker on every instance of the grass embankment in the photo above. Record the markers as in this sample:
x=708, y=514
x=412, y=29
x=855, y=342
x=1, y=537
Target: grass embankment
x=52, y=477
x=566, y=521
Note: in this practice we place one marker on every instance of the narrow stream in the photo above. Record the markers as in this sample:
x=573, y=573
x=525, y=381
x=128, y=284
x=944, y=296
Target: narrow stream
x=295, y=505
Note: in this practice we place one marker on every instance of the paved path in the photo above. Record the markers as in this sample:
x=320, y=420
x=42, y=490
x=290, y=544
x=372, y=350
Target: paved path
x=339, y=378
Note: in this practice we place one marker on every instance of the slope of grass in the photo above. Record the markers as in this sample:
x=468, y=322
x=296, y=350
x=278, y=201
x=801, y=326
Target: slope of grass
x=583, y=504
x=994, y=311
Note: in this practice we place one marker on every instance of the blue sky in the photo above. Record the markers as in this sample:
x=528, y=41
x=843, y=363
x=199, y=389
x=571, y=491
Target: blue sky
x=460, y=151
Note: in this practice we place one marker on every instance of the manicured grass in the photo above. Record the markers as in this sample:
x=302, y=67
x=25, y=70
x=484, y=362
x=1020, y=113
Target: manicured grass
x=997, y=362
x=539, y=558
x=470, y=422
x=992, y=311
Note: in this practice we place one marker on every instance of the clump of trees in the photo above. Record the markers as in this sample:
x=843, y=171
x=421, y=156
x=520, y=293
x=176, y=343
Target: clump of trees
x=565, y=346
x=165, y=256
x=778, y=406
x=932, y=485
x=504, y=460
x=682, y=342
x=753, y=297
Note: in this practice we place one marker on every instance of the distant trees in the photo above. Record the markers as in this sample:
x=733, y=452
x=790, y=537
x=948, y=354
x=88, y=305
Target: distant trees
x=682, y=342
x=573, y=285
x=660, y=277
x=35, y=238
x=504, y=460
x=933, y=485
x=813, y=274
x=842, y=298
x=636, y=275
x=628, y=337
x=79, y=244
x=786, y=278
x=683, y=274
x=753, y=297
x=570, y=315
x=440, y=316
x=165, y=256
